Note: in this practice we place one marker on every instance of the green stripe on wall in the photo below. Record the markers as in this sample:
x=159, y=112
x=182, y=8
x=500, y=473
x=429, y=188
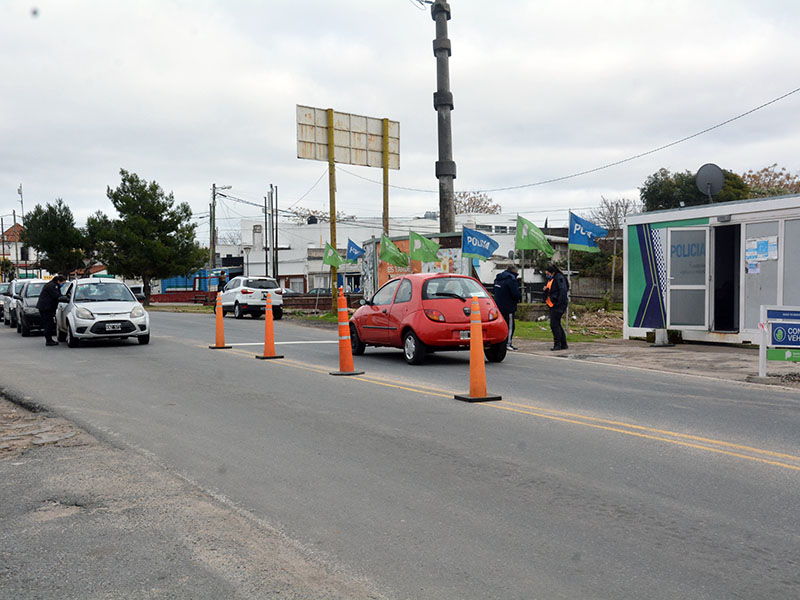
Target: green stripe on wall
x=684, y=223
x=636, y=280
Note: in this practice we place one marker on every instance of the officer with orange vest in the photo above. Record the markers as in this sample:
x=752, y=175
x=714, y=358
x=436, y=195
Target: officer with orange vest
x=557, y=298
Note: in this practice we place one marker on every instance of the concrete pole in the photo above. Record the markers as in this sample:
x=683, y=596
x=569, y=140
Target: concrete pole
x=385, y=164
x=443, y=103
x=212, y=224
x=332, y=202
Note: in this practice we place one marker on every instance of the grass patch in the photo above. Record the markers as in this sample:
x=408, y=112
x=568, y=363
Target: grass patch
x=328, y=317
x=579, y=331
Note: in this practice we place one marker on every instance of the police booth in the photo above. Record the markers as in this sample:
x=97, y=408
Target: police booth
x=706, y=270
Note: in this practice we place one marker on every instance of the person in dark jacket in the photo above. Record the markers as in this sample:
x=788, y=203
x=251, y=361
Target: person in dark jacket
x=47, y=304
x=506, y=296
x=557, y=298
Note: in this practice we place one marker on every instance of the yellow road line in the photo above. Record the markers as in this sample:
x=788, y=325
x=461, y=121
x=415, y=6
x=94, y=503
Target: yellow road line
x=577, y=421
x=696, y=442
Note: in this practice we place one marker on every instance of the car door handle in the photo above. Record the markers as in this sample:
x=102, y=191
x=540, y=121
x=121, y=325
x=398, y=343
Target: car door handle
x=384, y=311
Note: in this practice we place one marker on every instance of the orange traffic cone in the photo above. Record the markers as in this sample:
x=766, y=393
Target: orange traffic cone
x=345, y=350
x=269, y=336
x=477, y=368
x=220, y=345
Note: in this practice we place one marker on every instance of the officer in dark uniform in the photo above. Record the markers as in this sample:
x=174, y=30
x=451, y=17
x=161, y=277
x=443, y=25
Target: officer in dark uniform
x=47, y=304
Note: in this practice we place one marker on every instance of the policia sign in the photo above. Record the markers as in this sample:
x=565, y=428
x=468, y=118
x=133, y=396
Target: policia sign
x=780, y=335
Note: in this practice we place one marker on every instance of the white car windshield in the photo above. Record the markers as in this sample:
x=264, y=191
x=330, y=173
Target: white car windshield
x=103, y=292
x=261, y=284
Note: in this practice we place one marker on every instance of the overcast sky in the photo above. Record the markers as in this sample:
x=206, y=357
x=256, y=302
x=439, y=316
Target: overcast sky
x=194, y=92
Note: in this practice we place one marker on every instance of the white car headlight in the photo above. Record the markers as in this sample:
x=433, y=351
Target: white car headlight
x=83, y=313
x=30, y=310
x=138, y=311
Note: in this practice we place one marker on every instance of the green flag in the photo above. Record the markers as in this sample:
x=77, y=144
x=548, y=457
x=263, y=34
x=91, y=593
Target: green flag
x=530, y=237
x=392, y=254
x=331, y=256
x=421, y=248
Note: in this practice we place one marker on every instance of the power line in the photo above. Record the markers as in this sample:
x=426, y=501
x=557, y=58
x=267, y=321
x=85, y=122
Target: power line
x=596, y=169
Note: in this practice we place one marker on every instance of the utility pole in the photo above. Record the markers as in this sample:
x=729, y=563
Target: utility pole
x=16, y=245
x=275, y=235
x=264, y=237
x=270, y=232
x=443, y=103
x=21, y=204
x=212, y=224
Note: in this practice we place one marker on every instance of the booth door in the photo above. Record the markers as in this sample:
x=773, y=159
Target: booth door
x=687, y=278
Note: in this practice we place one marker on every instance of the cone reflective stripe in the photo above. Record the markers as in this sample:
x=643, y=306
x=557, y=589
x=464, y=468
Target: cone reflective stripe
x=269, y=333
x=477, y=367
x=220, y=345
x=345, y=349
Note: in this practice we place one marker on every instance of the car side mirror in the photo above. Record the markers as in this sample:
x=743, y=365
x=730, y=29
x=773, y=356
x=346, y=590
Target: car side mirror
x=140, y=297
x=17, y=297
x=64, y=299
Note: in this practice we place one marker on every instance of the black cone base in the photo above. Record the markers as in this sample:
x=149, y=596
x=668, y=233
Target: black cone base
x=347, y=373
x=260, y=357
x=468, y=398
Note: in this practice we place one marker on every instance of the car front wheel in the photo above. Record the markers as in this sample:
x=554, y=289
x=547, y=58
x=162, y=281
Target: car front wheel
x=413, y=348
x=61, y=336
x=356, y=345
x=144, y=339
x=72, y=341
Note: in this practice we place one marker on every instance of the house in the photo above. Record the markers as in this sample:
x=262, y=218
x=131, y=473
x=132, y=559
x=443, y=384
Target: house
x=12, y=248
x=706, y=270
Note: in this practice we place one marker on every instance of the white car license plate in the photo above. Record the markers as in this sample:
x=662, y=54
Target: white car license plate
x=464, y=334
x=113, y=326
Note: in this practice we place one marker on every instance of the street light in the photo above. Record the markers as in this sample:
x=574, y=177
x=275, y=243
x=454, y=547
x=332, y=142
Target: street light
x=247, y=248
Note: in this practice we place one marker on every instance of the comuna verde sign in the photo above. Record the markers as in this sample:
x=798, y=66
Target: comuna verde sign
x=780, y=335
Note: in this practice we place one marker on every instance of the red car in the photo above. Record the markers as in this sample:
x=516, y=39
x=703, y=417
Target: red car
x=424, y=312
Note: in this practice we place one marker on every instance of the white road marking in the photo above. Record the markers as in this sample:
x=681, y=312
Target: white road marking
x=280, y=343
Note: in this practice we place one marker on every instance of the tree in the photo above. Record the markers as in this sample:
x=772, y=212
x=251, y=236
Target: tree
x=475, y=202
x=7, y=270
x=664, y=190
x=610, y=215
x=52, y=233
x=151, y=238
x=302, y=215
x=771, y=181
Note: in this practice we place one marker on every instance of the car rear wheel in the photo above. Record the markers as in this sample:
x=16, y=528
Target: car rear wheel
x=496, y=352
x=72, y=341
x=413, y=348
x=143, y=339
x=277, y=312
x=19, y=325
x=356, y=345
x=237, y=311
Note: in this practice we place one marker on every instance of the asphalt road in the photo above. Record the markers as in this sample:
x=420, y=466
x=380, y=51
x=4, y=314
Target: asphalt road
x=585, y=481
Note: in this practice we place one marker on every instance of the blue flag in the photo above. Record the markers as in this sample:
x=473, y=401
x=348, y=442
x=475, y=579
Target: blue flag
x=476, y=244
x=583, y=234
x=354, y=251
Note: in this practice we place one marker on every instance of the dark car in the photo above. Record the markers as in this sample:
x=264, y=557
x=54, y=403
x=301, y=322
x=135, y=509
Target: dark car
x=28, y=317
x=426, y=312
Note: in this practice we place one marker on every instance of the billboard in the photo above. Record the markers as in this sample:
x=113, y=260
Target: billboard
x=357, y=140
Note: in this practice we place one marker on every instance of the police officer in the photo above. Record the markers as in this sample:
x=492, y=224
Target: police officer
x=506, y=296
x=47, y=304
x=556, y=297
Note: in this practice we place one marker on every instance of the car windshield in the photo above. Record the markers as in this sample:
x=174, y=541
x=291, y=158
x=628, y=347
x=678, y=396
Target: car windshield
x=261, y=284
x=103, y=292
x=452, y=287
x=32, y=290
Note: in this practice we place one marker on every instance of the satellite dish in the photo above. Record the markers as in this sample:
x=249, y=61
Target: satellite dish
x=710, y=180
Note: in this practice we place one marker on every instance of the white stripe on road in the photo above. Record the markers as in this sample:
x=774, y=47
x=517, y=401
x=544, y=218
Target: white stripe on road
x=280, y=343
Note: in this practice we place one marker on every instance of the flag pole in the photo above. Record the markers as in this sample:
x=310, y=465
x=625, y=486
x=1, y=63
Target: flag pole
x=521, y=261
x=569, y=266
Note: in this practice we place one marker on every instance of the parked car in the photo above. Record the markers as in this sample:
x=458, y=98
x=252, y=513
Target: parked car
x=96, y=308
x=426, y=312
x=10, y=316
x=27, y=315
x=319, y=291
x=3, y=289
x=248, y=295
x=291, y=292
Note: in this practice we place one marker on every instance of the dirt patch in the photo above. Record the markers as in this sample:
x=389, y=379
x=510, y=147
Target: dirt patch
x=21, y=429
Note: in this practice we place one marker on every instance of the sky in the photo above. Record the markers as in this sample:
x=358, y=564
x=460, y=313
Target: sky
x=189, y=93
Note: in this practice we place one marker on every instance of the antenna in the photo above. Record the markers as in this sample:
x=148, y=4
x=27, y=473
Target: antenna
x=710, y=180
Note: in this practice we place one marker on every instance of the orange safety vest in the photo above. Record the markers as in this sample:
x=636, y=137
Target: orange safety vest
x=549, y=287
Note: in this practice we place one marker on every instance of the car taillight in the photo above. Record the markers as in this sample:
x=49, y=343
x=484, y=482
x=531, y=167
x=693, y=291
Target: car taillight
x=247, y=291
x=492, y=314
x=278, y=291
x=434, y=315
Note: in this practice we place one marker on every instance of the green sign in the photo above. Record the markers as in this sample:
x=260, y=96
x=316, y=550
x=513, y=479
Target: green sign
x=783, y=354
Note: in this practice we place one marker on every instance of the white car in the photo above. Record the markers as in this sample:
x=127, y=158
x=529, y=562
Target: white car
x=9, y=302
x=98, y=308
x=248, y=295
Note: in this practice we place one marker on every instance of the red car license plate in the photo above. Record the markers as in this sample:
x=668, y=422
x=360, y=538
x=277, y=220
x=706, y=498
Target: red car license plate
x=464, y=334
